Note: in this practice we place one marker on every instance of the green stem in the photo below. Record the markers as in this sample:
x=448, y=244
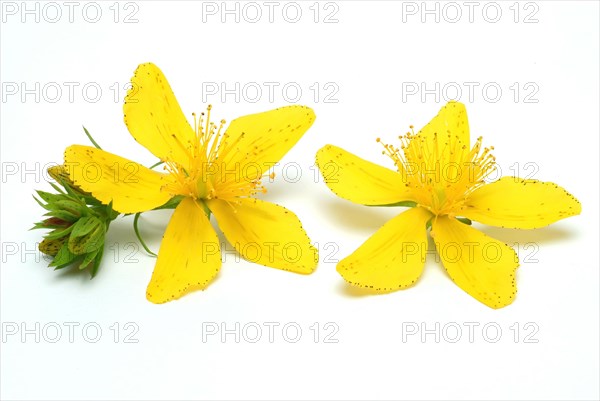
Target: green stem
x=139, y=237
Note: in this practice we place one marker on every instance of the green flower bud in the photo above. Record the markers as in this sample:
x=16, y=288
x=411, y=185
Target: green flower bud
x=51, y=246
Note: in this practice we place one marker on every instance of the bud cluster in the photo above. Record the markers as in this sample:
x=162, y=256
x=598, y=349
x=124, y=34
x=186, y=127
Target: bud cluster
x=77, y=222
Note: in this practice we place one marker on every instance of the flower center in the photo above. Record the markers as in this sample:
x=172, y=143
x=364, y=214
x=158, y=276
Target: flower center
x=440, y=169
x=205, y=174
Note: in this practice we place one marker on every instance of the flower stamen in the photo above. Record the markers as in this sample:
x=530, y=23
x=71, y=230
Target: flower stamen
x=439, y=168
x=207, y=176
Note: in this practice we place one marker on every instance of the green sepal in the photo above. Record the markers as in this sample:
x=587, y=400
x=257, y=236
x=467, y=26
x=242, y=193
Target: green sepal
x=74, y=192
x=40, y=203
x=89, y=259
x=47, y=226
x=84, y=225
x=50, y=198
x=91, y=139
x=464, y=220
x=97, y=260
x=78, y=208
x=403, y=204
x=41, y=224
x=110, y=213
x=63, y=258
x=47, y=206
x=171, y=203
x=55, y=234
x=57, y=188
x=89, y=242
x=63, y=215
x=206, y=209
x=158, y=163
x=91, y=201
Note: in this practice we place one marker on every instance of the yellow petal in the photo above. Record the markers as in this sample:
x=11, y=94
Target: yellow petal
x=189, y=256
x=360, y=181
x=393, y=257
x=153, y=116
x=130, y=186
x=518, y=203
x=451, y=119
x=264, y=138
x=480, y=265
x=266, y=233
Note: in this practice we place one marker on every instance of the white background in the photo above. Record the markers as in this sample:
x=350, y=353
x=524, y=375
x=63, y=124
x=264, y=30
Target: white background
x=374, y=52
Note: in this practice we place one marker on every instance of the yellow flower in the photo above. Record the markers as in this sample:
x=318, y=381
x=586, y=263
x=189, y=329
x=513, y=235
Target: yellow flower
x=442, y=177
x=212, y=172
